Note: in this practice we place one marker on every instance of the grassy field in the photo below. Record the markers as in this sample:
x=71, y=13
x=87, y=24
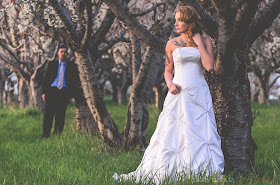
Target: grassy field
x=81, y=158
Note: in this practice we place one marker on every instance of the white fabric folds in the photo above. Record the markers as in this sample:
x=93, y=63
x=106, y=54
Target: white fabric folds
x=185, y=141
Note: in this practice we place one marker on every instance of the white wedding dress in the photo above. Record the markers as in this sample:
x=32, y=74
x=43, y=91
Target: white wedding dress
x=185, y=141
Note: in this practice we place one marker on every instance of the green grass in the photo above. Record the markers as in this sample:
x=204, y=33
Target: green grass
x=75, y=157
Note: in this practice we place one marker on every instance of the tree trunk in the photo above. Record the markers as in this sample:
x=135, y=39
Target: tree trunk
x=84, y=119
x=36, y=91
x=94, y=98
x=2, y=94
x=122, y=96
x=10, y=91
x=231, y=102
x=263, y=89
x=138, y=117
x=158, y=97
x=115, y=90
x=256, y=96
x=2, y=86
x=23, y=93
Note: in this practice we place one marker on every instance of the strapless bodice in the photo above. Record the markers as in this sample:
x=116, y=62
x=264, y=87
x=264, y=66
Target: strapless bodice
x=188, y=67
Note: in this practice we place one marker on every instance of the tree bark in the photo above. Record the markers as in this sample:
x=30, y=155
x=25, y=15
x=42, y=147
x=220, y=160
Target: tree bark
x=23, y=94
x=138, y=116
x=10, y=91
x=2, y=86
x=122, y=89
x=115, y=90
x=36, y=89
x=263, y=89
x=84, y=119
x=231, y=103
x=94, y=98
x=122, y=96
x=158, y=97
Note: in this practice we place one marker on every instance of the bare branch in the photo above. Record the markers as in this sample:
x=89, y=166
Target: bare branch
x=102, y=30
x=16, y=67
x=125, y=16
x=273, y=82
x=88, y=30
x=5, y=47
x=97, y=9
x=49, y=30
x=66, y=20
x=149, y=10
x=236, y=4
x=263, y=20
x=136, y=56
x=54, y=54
x=112, y=42
x=5, y=36
x=38, y=68
x=13, y=49
x=39, y=45
x=243, y=21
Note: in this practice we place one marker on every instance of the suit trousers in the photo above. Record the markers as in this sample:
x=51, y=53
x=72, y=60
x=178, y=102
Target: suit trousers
x=55, y=106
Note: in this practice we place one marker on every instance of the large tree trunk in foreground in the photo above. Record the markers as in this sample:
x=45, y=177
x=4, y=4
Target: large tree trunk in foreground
x=231, y=103
x=138, y=117
x=84, y=119
x=94, y=98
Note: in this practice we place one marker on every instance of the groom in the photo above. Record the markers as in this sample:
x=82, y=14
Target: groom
x=58, y=87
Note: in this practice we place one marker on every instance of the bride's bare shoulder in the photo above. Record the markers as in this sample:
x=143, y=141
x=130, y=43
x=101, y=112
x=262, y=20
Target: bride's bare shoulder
x=171, y=44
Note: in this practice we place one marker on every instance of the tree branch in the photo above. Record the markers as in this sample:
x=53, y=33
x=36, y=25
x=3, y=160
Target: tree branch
x=88, y=30
x=49, y=30
x=149, y=10
x=263, y=20
x=5, y=47
x=97, y=8
x=112, y=42
x=236, y=4
x=39, y=45
x=54, y=54
x=102, y=30
x=16, y=67
x=273, y=82
x=243, y=21
x=129, y=21
x=34, y=75
x=66, y=20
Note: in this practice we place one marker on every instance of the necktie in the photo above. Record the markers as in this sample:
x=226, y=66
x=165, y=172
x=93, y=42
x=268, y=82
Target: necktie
x=61, y=76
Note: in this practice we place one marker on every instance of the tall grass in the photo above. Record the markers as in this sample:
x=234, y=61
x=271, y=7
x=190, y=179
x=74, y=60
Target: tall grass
x=75, y=157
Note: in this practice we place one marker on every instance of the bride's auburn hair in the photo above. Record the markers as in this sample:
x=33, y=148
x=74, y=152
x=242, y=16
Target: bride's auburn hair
x=191, y=17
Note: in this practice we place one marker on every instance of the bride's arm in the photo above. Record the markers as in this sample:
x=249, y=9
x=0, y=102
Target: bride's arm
x=169, y=66
x=206, y=51
x=168, y=73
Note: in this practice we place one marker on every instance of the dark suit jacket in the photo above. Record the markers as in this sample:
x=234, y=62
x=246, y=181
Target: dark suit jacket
x=71, y=77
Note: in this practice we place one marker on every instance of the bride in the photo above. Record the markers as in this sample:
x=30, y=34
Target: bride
x=185, y=142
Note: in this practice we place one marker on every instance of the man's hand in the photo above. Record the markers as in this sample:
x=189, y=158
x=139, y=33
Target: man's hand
x=44, y=97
